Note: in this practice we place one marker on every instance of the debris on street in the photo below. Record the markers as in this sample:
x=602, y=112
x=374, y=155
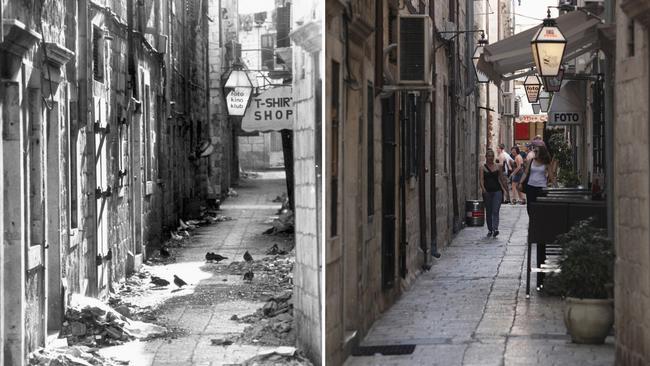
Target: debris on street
x=90, y=322
x=271, y=325
x=71, y=356
x=279, y=356
x=284, y=224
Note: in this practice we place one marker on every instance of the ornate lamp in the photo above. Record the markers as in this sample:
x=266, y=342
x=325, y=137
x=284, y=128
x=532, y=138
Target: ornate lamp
x=548, y=46
x=532, y=84
x=552, y=84
x=480, y=76
x=536, y=108
x=242, y=86
x=545, y=99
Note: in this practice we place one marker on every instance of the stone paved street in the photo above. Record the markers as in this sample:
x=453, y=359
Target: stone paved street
x=470, y=309
x=203, y=310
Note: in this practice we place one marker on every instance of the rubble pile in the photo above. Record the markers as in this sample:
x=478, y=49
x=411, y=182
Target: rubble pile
x=274, y=273
x=271, y=325
x=90, y=322
x=71, y=356
x=284, y=224
x=279, y=356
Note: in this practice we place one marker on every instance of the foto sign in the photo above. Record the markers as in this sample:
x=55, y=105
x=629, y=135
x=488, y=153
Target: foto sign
x=565, y=118
x=272, y=110
x=237, y=100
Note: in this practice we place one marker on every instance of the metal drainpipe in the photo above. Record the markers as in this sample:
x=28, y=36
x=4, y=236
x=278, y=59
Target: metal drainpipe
x=434, y=172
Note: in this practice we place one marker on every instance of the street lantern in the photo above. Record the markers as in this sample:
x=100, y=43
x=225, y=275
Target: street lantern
x=548, y=47
x=480, y=76
x=536, y=108
x=242, y=86
x=238, y=77
x=532, y=84
x=545, y=99
x=553, y=83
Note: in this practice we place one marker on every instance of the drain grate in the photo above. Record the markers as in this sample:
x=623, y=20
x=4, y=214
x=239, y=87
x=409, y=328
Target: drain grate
x=388, y=350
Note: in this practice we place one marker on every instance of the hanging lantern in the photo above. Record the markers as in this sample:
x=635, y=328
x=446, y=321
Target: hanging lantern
x=548, y=47
x=553, y=83
x=242, y=86
x=481, y=77
x=536, y=108
x=532, y=84
x=545, y=99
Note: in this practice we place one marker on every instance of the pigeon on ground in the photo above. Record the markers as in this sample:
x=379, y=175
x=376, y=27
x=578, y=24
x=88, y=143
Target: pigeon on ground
x=159, y=281
x=218, y=257
x=274, y=250
x=248, y=257
x=176, y=236
x=164, y=252
x=248, y=276
x=178, y=282
x=209, y=256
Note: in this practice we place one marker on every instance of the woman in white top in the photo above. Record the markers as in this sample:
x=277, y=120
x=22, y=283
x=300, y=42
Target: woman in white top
x=539, y=174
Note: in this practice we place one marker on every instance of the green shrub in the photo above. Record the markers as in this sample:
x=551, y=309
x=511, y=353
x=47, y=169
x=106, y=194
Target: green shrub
x=586, y=263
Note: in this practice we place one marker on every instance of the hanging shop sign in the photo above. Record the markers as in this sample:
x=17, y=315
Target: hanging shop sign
x=237, y=101
x=568, y=105
x=272, y=110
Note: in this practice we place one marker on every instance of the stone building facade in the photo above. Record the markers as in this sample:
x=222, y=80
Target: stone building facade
x=631, y=182
x=400, y=161
x=104, y=112
x=306, y=36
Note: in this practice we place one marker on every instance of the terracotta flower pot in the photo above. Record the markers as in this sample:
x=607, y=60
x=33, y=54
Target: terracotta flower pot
x=589, y=320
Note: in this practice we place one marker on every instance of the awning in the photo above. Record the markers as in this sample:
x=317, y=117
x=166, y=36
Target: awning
x=568, y=105
x=513, y=53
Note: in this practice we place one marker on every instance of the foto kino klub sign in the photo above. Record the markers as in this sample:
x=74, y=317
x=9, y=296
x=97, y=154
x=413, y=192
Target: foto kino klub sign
x=272, y=110
x=238, y=100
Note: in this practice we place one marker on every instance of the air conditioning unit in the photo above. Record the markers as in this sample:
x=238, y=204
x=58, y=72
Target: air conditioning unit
x=414, y=49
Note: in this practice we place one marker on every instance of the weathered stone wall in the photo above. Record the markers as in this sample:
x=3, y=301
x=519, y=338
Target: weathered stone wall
x=306, y=152
x=354, y=293
x=147, y=149
x=632, y=196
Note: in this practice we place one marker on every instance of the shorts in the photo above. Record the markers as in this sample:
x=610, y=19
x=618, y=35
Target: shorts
x=517, y=178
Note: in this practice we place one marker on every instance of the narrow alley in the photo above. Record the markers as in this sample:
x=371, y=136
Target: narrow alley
x=205, y=316
x=471, y=309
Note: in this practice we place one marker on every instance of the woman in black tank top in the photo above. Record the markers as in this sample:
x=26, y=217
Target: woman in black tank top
x=492, y=188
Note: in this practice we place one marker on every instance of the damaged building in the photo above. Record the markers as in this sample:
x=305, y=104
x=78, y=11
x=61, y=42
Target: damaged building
x=113, y=128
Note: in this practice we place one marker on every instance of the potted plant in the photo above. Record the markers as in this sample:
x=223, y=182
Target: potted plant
x=586, y=280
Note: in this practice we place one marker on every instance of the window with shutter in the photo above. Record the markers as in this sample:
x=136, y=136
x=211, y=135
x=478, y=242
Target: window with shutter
x=98, y=54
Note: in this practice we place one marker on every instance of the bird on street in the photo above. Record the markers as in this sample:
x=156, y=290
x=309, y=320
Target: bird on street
x=179, y=282
x=159, y=281
x=164, y=252
x=176, y=236
x=210, y=256
x=248, y=276
x=248, y=257
x=218, y=257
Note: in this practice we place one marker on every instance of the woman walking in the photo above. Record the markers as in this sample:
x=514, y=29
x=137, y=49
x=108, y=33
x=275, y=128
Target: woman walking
x=517, y=173
x=539, y=174
x=493, y=189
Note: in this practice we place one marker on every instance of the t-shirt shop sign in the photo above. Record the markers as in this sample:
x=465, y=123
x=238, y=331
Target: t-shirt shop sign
x=272, y=110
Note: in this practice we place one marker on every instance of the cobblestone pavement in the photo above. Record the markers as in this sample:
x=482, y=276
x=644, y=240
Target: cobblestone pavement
x=470, y=309
x=204, y=309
